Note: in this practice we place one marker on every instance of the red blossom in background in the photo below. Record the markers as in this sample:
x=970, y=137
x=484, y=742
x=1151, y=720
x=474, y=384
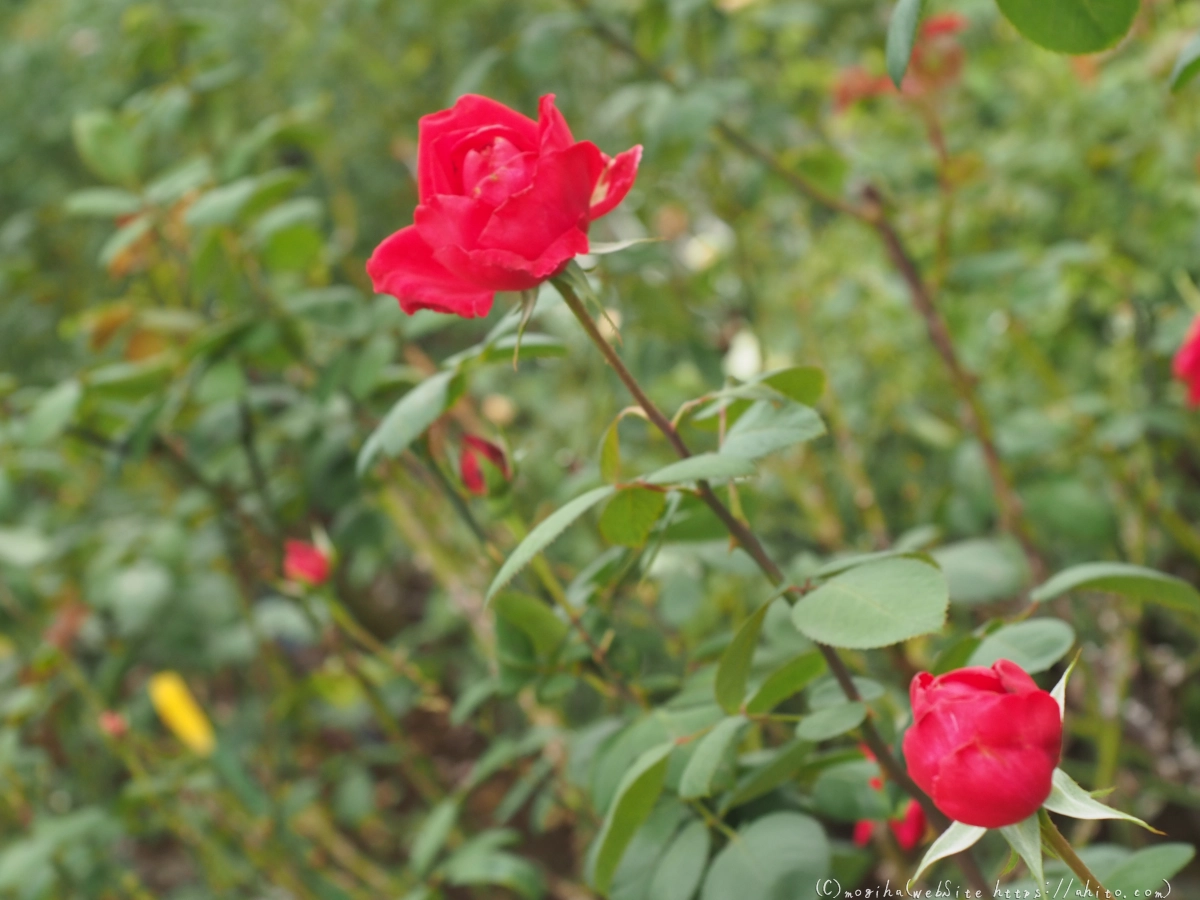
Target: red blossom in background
x=471, y=471
x=505, y=203
x=304, y=563
x=113, y=724
x=984, y=743
x=936, y=62
x=908, y=830
x=1187, y=363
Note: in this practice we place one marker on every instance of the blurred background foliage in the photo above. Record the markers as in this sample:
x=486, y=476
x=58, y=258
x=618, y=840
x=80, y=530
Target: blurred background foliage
x=191, y=358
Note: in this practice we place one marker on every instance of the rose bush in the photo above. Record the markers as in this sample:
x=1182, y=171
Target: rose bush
x=505, y=203
x=984, y=743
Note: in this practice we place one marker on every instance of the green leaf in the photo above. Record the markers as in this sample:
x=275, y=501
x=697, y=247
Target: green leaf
x=124, y=238
x=782, y=854
x=53, y=411
x=803, y=384
x=785, y=763
x=408, y=419
x=597, y=248
x=786, y=681
x=955, y=839
x=432, y=836
x=635, y=798
x=23, y=547
x=832, y=721
x=221, y=205
x=1026, y=839
x=1071, y=26
x=102, y=203
x=1187, y=64
x=106, y=146
x=546, y=631
x=681, y=868
x=875, y=605
x=983, y=570
x=712, y=750
x=901, y=35
x=1148, y=868
x=631, y=515
x=702, y=467
x=763, y=429
x=1135, y=582
x=1069, y=799
x=481, y=866
x=734, y=667
x=610, y=453
x=1060, y=690
x=544, y=534
x=1034, y=645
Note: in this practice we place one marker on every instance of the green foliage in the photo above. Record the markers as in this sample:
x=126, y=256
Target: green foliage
x=575, y=679
x=1072, y=26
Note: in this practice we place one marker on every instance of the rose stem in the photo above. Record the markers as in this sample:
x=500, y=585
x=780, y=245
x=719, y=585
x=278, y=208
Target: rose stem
x=1063, y=849
x=751, y=544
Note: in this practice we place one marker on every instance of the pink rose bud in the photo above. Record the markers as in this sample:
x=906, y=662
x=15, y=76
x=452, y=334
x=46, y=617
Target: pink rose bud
x=984, y=743
x=1187, y=363
x=304, y=563
x=470, y=470
x=505, y=203
x=113, y=724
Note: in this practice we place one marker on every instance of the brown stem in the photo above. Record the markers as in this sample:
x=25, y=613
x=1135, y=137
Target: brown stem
x=1063, y=850
x=750, y=543
x=976, y=418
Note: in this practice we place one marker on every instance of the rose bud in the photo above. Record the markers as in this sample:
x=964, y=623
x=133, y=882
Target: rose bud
x=471, y=471
x=910, y=829
x=504, y=204
x=304, y=563
x=113, y=724
x=1187, y=363
x=984, y=743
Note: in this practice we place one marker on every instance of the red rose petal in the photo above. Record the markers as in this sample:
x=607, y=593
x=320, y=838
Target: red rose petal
x=614, y=182
x=404, y=267
x=468, y=115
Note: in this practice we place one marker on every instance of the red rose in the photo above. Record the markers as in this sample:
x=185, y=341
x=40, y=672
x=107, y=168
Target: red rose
x=468, y=464
x=984, y=743
x=505, y=203
x=305, y=563
x=1187, y=363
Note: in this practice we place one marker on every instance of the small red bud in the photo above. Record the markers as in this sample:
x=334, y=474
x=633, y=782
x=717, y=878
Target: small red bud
x=305, y=563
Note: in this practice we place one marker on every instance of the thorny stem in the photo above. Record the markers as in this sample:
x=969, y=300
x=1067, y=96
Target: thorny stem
x=873, y=214
x=1063, y=850
x=749, y=542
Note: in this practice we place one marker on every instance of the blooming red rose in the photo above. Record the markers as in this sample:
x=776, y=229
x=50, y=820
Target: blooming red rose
x=305, y=563
x=468, y=464
x=505, y=203
x=1187, y=363
x=984, y=743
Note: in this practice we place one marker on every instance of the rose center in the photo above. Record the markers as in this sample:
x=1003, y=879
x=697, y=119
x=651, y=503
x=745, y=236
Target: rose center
x=496, y=171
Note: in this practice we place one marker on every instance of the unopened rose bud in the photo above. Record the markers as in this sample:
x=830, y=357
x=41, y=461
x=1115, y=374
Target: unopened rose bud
x=305, y=563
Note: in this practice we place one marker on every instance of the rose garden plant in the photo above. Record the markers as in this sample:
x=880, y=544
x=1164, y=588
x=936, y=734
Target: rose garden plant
x=645, y=523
